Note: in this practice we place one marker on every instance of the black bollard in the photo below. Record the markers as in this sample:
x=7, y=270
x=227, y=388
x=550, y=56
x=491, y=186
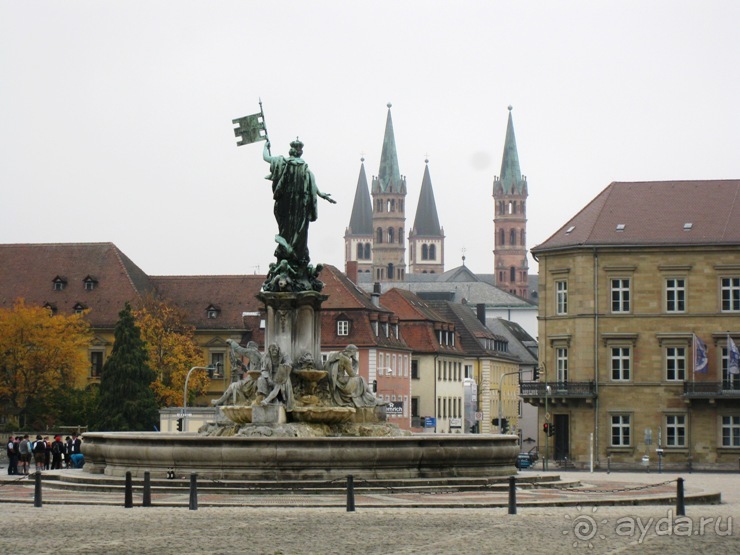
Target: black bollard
x=350, y=494
x=680, y=503
x=37, y=490
x=193, y=492
x=512, y=495
x=147, y=501
x=128, y=496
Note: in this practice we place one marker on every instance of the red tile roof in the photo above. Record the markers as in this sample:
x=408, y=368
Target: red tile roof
x=655, y=213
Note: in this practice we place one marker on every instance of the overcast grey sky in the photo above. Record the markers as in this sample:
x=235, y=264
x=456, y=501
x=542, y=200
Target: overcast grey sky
x=115, y=116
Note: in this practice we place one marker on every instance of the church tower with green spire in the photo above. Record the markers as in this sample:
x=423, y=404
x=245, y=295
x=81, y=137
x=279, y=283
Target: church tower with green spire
x=510, y=221
x=427, y=238
x=389, y=213
x=358, y=237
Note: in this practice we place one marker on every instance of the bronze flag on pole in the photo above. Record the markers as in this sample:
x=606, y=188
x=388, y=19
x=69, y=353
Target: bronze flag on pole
x=250, y=129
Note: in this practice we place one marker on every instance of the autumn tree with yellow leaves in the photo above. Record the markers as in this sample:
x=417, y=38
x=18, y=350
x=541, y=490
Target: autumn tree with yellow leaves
x=172, y=351
x=41, y=356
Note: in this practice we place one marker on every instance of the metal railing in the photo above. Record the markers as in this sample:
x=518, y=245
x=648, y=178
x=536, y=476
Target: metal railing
x=710, y=390
x=558, y=389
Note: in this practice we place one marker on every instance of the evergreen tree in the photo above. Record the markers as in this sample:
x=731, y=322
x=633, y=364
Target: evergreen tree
x=126, y=401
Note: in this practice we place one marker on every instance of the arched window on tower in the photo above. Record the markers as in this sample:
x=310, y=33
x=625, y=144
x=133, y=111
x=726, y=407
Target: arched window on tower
x=522, y=207
x=512, y=274
x=390, y=272
x=432, y=252
x=390, y=235
x=379, y=235
x=360, y=251
x=523, y=241
x=512, y=237
x=367, y=251
x=512, y=209
x=501, y=238
x=400, y=235
x=424, y=252
x=393, y=205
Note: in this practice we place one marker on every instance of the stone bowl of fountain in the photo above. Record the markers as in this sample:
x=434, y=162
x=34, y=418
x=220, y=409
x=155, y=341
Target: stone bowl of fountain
x=239, y=414
x=323, y=415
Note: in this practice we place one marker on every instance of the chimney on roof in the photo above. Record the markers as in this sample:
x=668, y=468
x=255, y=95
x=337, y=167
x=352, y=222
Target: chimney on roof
x=375, y=295
x=480, y=312
x=350, y=269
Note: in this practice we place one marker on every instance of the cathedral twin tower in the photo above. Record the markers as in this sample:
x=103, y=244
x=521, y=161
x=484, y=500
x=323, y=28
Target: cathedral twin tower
x=376, y=236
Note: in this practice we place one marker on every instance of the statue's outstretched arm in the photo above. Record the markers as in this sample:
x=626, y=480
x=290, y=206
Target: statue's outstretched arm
x=266, y=152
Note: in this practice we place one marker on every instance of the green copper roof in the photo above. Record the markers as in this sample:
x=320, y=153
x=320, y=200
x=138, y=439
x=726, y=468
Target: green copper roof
x=427, y=221
x=389, y=178
x=361, y=221
x=511, y=179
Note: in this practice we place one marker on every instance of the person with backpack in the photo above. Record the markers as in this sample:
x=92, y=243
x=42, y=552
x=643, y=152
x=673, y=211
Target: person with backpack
x=24, y=454
x=39, y=452
x=57, y=449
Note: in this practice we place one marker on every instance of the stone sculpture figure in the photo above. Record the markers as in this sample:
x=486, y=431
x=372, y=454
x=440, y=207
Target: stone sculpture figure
x=296, y=194
x=348, y=388
x=241, y=391
x=274, y=384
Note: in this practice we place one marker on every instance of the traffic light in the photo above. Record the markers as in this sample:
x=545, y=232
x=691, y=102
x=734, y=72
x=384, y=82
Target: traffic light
x=179, y=424
x=535, y=374
x=546, y=428
x=549, y=429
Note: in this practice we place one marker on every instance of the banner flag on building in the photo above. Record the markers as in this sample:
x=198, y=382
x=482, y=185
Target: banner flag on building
x=700, y=356
x=251, y=129
x=733, y=357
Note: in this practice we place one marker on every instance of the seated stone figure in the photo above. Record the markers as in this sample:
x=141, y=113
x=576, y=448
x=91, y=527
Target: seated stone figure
x=242, y=391
x=274, y=384
x=348, y=388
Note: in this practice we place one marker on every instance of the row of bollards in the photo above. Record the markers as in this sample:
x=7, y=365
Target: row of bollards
x=193, y=501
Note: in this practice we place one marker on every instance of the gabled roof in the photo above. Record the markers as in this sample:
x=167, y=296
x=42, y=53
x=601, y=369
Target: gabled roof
x=471, y=331
x=521, y=343
x=389, y=178
x=408, y=306
x=426, y=222
x=361, y=220
x=232, y=296
x=654, y=213
x=27, y=271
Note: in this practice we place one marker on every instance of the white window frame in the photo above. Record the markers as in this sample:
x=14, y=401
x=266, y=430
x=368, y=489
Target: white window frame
x=343, y=327
x=561, y=297
x=561, y=363
x=621, y=430
x=675, y=363
x=621, y=363
x=675, y=295
x=675, y=430
x=620, y=295
x=730, y=428
x=730, y=294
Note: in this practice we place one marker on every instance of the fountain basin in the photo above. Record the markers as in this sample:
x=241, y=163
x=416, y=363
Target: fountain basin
x=323, y=415
x=239, y=414
x=325, y=458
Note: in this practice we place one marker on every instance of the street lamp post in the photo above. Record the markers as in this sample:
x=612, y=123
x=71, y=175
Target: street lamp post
x=185, y=394
x=547, y=419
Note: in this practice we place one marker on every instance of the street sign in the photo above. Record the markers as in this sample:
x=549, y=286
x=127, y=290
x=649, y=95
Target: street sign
x=455, y=422
x=430, y=422
x=479, y=416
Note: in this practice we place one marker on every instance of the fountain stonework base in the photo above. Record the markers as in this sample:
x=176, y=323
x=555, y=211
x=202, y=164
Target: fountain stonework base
x=323, y=458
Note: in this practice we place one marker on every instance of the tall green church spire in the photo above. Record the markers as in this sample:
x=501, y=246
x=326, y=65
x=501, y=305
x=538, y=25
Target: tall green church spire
x=389, y=178
x=511, y=179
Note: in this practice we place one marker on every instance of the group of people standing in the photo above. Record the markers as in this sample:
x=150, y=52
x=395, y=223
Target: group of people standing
x=45, y=454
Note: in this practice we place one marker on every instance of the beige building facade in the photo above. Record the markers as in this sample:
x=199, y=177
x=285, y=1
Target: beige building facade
x=639, y=300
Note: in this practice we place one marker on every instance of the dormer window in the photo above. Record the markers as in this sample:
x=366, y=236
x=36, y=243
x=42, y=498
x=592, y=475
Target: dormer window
x=213, y=312
x=59, y=283
x=342, y=327
x=89, y=283
x=79, y=308
x=51, y=308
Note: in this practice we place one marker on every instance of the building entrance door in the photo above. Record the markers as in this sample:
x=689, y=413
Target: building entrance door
x=562, y=441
